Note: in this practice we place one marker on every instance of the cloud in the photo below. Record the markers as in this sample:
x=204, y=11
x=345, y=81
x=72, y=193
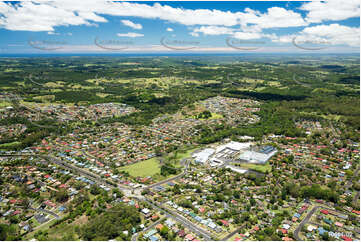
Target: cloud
x=331, y=10
x=251, y=33
x=130, y=35
x=131, y=24
x=333, y=34
x=28, y=16
x=194, y=34
x=275, y=17
x=44, y=16
x=247, y=35
x=53, y=33
x=246, y=24
x=213, y=30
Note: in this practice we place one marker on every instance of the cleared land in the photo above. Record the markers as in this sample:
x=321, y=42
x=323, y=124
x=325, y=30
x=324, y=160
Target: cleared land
x=260, y=168
x=145, y=168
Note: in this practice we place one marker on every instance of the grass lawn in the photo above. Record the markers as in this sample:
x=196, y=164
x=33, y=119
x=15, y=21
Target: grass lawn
x=7, y=145
x=4, y=104
x=216, y=116
x=145, y=168
x=42, y=227
x=62, y=230
x=260, y=168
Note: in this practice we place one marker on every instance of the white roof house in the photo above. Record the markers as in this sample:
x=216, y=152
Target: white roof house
x=311, y=227
x=145, y=210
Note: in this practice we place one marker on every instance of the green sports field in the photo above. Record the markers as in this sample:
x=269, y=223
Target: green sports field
x=143, y=168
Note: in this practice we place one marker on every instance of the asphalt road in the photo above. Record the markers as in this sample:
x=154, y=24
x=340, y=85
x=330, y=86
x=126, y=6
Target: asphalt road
x=231, y=234
x=185, y=222
x=304, y=221
x=307, y=218
x=192, y=227
x=185, y=171
x=45, y=211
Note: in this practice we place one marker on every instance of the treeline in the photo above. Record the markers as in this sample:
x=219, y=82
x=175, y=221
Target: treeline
x=275, y=119
x=8, y=232
x=168, y=169
x=111, y=224
x=267, y=96
x=313, y=191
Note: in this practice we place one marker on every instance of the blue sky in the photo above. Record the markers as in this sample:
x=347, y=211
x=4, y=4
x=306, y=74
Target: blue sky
x=97, y=27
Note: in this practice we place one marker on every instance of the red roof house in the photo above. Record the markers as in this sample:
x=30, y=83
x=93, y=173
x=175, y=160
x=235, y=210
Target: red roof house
x=189, y=237
x=159, y=226
x=355, y=211
x=324, y=211
x=345, y=238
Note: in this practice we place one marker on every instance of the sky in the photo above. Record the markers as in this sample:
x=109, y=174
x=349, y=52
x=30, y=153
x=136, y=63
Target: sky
x=94, y=26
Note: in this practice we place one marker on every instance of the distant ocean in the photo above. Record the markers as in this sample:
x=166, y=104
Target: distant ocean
x=47, y=55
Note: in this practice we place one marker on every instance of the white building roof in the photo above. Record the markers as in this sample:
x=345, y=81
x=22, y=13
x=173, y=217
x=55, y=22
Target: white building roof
x=256, y=157
x=203, y=155
x=234, y=146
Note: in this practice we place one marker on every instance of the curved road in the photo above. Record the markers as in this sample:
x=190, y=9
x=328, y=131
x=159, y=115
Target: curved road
x=135, y=236
x=307, y=218
x=185, y=171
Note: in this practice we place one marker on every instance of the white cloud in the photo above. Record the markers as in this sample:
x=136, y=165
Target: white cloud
x=28, y=16
x=44, y=16
x=333, y=34
x=275, y=17
x=247, y=24
x=131, y=24
x=130, y=35
x=247, y=35
x=331, y=10
x=213, y=30
x=53, y=33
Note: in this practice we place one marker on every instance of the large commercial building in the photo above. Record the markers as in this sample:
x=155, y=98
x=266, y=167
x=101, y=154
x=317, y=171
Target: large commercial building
x=258, y=157
x=203, y=156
